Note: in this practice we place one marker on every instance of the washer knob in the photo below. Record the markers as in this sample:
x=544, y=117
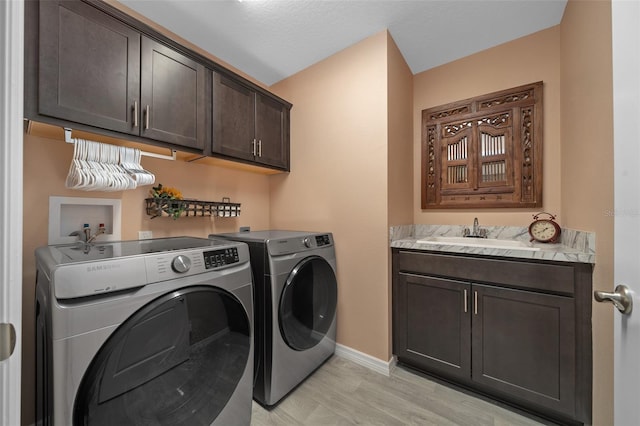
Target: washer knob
x=181, y=264
x=307, y=242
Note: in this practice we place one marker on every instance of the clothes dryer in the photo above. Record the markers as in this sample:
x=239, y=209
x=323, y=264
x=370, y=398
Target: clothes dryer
x=295, y=305
x=144, y=332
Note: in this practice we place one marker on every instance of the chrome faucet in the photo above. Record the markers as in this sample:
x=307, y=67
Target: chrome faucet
x=476, y=231
x=101, y=230
x=86, y=232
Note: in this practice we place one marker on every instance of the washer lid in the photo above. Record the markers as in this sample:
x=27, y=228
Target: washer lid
x=79, y=270
x=81, y=252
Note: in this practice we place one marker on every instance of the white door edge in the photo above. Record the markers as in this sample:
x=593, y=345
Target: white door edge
x=11, y=169
x=625, y=17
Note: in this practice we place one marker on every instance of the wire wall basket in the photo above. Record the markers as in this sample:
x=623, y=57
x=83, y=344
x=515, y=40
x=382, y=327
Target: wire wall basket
x=159, y=206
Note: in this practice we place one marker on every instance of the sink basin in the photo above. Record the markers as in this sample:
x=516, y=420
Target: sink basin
x=479, y=242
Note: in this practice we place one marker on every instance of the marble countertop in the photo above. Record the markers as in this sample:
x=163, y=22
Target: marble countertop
x=574, y=246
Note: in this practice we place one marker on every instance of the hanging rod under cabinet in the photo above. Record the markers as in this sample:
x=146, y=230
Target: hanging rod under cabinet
x=172, y=157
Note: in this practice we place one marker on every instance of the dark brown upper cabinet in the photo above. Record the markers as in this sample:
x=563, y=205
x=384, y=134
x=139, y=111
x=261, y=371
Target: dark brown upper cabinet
x=92, y=67
x=95, y=71
x=249, y=125
x=484, y=151
x=172, y=89
x=89, y=67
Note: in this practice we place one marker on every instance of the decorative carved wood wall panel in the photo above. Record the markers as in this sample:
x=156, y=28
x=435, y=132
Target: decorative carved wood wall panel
x=484, y=151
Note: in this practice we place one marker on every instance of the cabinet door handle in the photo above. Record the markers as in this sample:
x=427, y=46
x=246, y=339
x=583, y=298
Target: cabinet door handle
x=135, y=113
x=465, y=301
x=147, y=113
x=475, y=303
x=253, y=147
x=260, y=148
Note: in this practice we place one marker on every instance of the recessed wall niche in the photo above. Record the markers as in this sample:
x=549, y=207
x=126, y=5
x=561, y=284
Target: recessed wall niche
x=484, y=152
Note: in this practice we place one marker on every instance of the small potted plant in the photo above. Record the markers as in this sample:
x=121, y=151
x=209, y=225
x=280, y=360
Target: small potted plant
x=168, y=200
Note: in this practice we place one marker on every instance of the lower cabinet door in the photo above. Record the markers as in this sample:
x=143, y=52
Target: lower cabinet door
x=433, y=324
x=524, y=346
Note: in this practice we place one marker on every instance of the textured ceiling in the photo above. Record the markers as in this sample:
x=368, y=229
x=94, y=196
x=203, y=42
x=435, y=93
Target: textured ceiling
x=273, y=39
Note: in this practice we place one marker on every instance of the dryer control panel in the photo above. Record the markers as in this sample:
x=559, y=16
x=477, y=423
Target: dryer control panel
x=323, y=240
x=284, y=246
x=222, y=257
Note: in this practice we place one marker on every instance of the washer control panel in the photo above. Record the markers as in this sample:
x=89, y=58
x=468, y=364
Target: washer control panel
x=222, y=257
x=166, y=266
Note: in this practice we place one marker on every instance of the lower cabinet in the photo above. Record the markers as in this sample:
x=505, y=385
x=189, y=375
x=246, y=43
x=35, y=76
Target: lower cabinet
x=523, y=345
x=487, y=326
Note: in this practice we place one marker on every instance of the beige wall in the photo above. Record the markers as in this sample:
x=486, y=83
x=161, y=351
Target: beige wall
x=522, y=61
x=400, y=151
x=400, y=142
x=587, y=166
x=338, y=180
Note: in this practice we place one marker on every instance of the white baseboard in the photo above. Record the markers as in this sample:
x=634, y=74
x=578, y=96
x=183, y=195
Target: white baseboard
x=375, y=364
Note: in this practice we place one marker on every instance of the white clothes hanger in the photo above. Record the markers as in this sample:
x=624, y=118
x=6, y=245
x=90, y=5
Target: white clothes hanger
x=102, y=167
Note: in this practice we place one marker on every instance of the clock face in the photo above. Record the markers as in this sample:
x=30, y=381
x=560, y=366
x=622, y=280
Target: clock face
x=543, y=230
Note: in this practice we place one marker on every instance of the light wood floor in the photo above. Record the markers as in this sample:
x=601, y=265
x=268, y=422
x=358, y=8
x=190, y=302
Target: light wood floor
x=342, y=392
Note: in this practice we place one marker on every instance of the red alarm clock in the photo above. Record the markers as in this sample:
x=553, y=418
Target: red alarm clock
x=544, y=230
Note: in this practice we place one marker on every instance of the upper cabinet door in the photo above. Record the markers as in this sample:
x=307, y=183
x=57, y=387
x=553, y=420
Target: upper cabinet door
x=249, y=125
x=89, y=66
x=172, y=96
x=233, y=119
x=272, y=132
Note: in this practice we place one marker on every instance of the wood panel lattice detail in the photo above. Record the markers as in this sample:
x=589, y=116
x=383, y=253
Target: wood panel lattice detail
x=484, y=151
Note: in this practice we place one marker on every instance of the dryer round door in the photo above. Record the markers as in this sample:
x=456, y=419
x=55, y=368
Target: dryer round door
x=308, y=303
x=177, y=360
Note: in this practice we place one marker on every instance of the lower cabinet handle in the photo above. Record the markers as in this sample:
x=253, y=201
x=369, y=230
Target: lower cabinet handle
x=475, y=303
x=465, y=301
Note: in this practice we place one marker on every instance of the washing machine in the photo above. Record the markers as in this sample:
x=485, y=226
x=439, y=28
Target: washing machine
x=295, y=300
x=144, y=332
